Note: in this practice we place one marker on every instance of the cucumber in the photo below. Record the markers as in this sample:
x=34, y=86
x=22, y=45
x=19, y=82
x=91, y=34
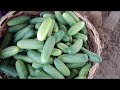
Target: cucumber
x=16, y=28
x=74, y=40
x=56, y=28
x=34, y=55
x=76, y=58
x=56, y=52
x=73, y=74
x=30, y=44
x=69, y=20
x=24, y=58
x=44, y=29
x=71, y=39
x=47, y=49
x=30, y=69
x=73, y=15
x=29, y=35
x=49, y=15
x=37, y=25
x=9, y=51
x=18, y=20
x=85, y=70
x=37, y=65
x=41, y=73
x=62, y=27
x=58, y=15
x=33, y=77
x=51, y=29
x=63, y=47
x=43, y=12
x=62, y=68
x=80, y=77
x=21, y=69
x=75, y=48
x=68, y=44
x=76, y=28
x=80, y=36
x=84, y=30
x=37, y=20
x=7, y=69
x=6, y=40
x=92, y=56
x=58, y=36
x=65, y=39
x=20, y=34
x=53, y=72
x=75, y=65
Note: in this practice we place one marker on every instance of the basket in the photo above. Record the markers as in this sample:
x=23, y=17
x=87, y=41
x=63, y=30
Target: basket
x=94, y=41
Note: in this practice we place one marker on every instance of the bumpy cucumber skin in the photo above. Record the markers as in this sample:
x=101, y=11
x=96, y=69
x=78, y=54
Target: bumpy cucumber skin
x=76, y=28
x=75, y=48
x=9, y=51
x=69, y=20
x=76, y=58
x=56, y=52
x=7, y=69
x=45, y=26
x=61, y=67
x=51, y=29
x=30, y=44
x=18, y=20
x=21, y=69
x=58, y=36
x=58, y=15
x=37, y=65
x=73, y=15
x=37, y=20
x=56, y=28
x=53, y=72
x=92, y=56
x=16, y=28
x=47, y=49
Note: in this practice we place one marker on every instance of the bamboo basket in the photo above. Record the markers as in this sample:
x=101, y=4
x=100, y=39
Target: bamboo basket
x=93, y=36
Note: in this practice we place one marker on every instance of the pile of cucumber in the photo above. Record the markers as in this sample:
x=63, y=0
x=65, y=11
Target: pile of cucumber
x=52, y=45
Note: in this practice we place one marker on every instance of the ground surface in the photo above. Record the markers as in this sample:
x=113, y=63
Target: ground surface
x=110, y=66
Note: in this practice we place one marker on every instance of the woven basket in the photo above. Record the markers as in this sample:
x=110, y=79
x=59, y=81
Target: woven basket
x=94, y=41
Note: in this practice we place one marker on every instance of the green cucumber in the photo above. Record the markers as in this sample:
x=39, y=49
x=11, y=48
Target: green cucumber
x=7, y=69
x=56, y=52
x=80, y=36
x=53, y=72
x=16, y=28
x=37, y=20
x=37, y=25
x=92, y=56
x=21, y=69
x=76, y=28
x=73, y=74
x=84, y=30
x=20, y=34
x=44, y=29
x=24, y=58
x=75, y=48
x=65, y=39
x=30, y=44
x=56, y=28
x=58, y=36
x=30, y=69
x=47, y=49
x=51, y=29
x=62, y=68
x=63, y=47
x=76, y=58
x=33, y=77
x=37, y=65
x=18, y=20
x=49, y=15
x=29, y=34
x=43, y=12
x=73, y=15
x=58, y=15
x=75, y=65
x=68, y=18
x=68, y=44
x=62, y=27
x=41, y=73
x=9, y=51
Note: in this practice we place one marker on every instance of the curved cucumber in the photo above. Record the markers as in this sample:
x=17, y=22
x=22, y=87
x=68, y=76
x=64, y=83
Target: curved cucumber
x=9, y=51
x=61, y=67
